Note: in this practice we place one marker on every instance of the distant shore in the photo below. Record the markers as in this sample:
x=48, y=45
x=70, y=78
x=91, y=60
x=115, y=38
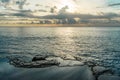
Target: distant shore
x=42, y=25
x=59, y=25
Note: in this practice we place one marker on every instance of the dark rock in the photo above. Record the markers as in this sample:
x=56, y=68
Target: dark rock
x=97, y=70
x=90, y=63
x=39, y=57
x=108, y=77
x=33, y=64
x=64, y=62
x=44, y=60
x=84, y=73
x=40, y=64
x=67, y=57
x=78, y=58
x=42, y=57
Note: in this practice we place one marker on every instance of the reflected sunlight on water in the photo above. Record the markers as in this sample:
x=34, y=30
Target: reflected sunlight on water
x=65, y=42
x=98, y=44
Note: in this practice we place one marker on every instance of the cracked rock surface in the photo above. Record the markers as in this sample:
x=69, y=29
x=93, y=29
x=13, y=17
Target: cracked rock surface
x=86, y=72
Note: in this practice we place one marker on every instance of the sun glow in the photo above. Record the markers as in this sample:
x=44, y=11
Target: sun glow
x=71, y=7
x=70, y=4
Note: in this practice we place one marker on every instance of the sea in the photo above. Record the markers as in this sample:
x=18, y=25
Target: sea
x=100, y=45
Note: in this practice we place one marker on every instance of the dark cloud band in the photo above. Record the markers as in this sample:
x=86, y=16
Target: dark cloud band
x=115, y=4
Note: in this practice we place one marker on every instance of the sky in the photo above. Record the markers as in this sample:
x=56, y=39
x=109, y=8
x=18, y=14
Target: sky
x=54, y=8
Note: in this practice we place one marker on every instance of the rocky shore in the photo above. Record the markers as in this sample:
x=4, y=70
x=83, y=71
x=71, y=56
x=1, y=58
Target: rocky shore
x=89, y=70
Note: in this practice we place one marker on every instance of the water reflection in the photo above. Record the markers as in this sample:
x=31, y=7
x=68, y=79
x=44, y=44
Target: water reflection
x=99, y=44
x=65, y=43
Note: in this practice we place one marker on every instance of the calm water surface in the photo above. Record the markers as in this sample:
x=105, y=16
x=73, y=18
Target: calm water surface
x=98, y=44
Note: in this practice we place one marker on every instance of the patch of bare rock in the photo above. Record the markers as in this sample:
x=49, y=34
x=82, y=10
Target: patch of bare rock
x=93, y=71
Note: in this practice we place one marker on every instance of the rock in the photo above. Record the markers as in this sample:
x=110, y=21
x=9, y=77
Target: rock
x=66, y=62
x=44, y=60
x=40, y=64
x=90, y=63
x=18, y=62
x=108, y=77
x=42, y=57
x=97, y=70
x=37, y=64
x=39, y=57
x=67, y=57
x=84, y=73
x=71, y=63
x=78, y=58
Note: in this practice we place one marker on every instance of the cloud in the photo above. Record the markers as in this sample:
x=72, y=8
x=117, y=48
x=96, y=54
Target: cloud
x=5, y=1
x=47, y=6
x=21, y=3
x=2, y=14
x=75, y=1
x=42, y=10
x=38, y=5
x=53, y=9
x=63, y=9
x=29, y=7
x=17, y=13
x=60, y=11
x=12, y=3
x=115, y=4
x=82, y=16
x=22, y=15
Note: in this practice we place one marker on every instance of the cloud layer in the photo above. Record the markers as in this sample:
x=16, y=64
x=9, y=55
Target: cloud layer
x=61, y=9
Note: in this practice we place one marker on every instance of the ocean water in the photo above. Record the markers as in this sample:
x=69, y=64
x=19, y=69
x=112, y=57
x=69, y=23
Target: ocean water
x=98, y=44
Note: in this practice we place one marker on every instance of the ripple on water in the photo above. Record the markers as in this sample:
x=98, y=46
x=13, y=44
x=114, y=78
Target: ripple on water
x=101, y=45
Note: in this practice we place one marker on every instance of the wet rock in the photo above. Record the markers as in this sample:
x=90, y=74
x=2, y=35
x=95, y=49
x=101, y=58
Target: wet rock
x=84, y=73
x=37, y=61
x=108, y=77
x=66, y=62
x=39, y=57
x=90, y=63
x=97, y=70
x=78, y=58
x=40, y=64
x=33, y=64
x=42, y=57
x=89, y=70
x=44, y=61
x=67, y=57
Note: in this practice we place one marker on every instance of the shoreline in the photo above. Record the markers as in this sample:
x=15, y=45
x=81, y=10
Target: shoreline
x=83, y=72
x=59, y=25
x=41, y=25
